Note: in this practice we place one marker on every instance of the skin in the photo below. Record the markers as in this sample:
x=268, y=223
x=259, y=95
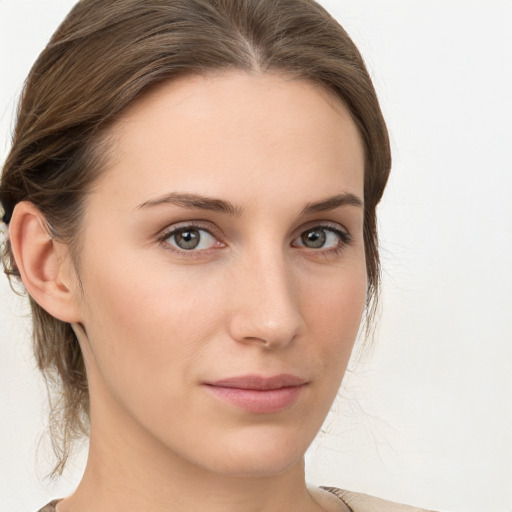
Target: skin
x=156, y=323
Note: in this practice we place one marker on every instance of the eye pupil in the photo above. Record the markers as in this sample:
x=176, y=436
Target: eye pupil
x=314, y=239
x=187, y=239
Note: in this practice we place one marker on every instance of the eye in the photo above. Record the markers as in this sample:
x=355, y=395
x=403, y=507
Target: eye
x=322, y=237
x=190, y=238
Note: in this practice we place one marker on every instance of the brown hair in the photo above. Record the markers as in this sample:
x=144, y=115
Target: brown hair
x=103, y=56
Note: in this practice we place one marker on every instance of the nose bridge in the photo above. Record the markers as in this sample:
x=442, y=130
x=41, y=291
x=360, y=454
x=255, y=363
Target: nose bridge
x=265, y=307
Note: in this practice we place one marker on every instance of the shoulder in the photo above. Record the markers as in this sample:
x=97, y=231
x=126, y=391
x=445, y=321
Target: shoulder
x=50, y=507
x=358, y=502
x=355, y=501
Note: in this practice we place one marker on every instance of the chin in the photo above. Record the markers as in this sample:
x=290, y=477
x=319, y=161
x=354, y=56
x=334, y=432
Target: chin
x=261, y=466
x=259, y=453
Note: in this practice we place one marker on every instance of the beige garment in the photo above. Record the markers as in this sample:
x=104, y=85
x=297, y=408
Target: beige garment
x=50, y=507
x=358, y=502
x=355, y=501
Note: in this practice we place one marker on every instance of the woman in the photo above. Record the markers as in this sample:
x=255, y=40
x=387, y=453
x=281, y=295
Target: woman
x=191, y=197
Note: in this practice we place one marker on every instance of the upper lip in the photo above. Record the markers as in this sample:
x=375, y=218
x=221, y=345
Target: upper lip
x=260, y=383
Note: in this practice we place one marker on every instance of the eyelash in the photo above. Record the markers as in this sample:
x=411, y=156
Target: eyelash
x=344, y=239
x=172, y=231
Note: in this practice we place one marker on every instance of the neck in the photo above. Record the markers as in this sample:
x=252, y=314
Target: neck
x=120, y=476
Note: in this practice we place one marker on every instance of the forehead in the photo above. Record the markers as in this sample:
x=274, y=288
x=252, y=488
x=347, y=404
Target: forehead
x=234, y=128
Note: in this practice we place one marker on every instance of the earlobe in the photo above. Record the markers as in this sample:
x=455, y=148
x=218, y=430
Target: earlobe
x=43, y=263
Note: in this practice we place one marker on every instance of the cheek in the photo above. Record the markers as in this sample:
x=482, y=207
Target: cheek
x=147, y=320
x=333, y=313
x=151, y=335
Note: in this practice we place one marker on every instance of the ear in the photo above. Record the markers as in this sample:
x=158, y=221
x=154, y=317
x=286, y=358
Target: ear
x=44, y=264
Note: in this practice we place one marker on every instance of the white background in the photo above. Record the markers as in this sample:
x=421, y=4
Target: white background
x=426, y=418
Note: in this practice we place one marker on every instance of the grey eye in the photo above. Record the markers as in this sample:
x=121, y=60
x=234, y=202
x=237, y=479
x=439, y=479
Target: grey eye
x=321, y=238
x=314, y=238
x=189, y=238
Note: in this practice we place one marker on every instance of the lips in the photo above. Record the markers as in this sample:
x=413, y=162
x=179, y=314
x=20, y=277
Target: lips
x=260, y=383
x=260, y=395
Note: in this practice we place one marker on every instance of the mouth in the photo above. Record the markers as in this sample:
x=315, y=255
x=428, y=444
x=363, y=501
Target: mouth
x=259, y=395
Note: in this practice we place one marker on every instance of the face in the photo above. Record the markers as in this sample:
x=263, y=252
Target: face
x=223, y=270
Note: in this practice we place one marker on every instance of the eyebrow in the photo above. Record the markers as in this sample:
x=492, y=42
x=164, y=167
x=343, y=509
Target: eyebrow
x=332, y=203
x=194, y=201
x=220, y=205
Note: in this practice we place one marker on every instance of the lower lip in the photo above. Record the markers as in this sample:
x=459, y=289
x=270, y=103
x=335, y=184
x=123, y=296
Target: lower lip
x=258, y=401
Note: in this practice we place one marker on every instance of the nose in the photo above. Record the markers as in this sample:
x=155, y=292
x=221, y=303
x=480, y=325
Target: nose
x=265, y=307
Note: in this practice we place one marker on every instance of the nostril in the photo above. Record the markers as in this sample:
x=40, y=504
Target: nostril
x=268, y=327
x=264, y=302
